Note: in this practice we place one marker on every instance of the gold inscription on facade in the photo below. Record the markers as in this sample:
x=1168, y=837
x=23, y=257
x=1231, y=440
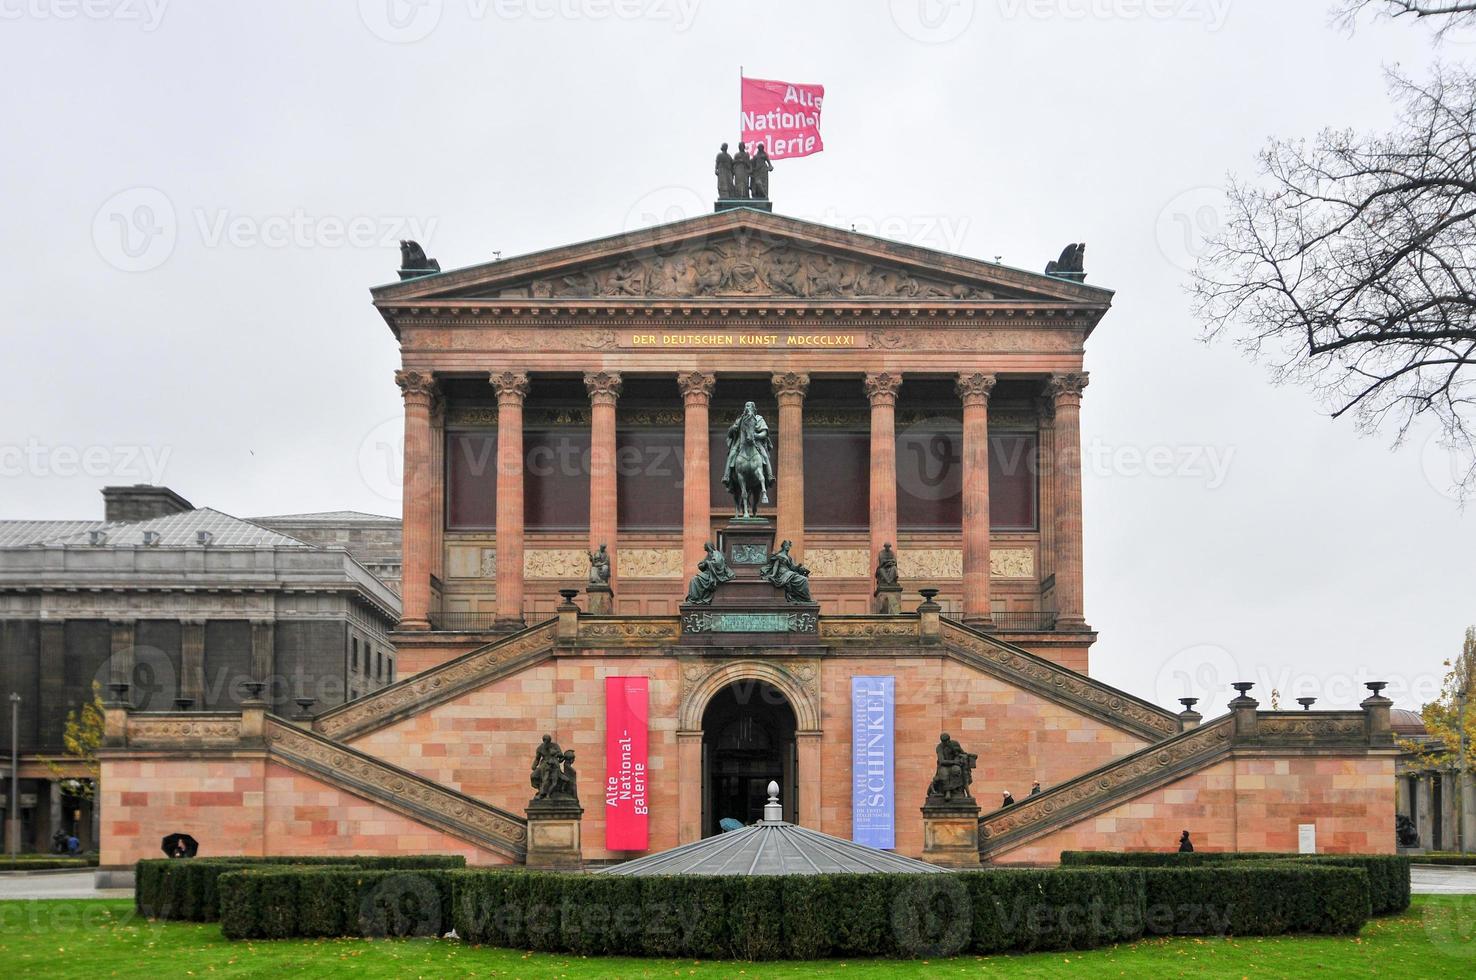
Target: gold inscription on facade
x=740, y=340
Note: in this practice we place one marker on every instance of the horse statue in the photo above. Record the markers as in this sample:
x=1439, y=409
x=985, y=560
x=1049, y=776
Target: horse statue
x=749, y=472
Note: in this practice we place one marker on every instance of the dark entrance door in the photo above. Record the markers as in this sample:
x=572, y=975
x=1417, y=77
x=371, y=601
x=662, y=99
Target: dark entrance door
x=748, y=741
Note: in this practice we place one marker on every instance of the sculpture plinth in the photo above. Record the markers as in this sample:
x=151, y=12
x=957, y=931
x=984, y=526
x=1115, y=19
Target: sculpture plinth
x=731, y=204
x=554, y=839
x=951, y=832
x=749, y=610
x=601, y=600
x=889, y=600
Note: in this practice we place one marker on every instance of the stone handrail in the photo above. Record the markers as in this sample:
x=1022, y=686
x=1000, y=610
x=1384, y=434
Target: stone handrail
x=1022, y=668
x=396, y=789
x=438, y=684
x=1105, y=787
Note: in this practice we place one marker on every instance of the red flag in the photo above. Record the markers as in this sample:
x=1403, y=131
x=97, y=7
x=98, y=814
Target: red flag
x=783, y=116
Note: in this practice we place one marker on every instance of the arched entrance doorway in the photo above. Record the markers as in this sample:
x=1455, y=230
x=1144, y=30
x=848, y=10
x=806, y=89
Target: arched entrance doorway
x=748, y=739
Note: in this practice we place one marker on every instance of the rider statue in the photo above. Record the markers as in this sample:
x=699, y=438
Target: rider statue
x=748, y=473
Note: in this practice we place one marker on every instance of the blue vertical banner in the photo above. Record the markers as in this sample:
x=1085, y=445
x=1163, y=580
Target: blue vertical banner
x=873, y=809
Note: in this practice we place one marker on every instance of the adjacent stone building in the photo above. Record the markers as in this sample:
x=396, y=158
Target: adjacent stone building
x=184, y=605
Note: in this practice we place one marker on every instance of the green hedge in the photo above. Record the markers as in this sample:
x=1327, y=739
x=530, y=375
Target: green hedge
x=1388, y=874
x=1250, y=898
x=187, y=889
x=1441, y=857
x=797, y=916
x=44, y=862
x=290, y=903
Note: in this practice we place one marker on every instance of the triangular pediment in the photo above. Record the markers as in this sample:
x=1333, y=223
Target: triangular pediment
x=742, y=255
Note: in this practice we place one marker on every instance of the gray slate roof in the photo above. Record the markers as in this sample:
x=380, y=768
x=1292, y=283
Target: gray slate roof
x=328, y=517
x=14, y=534
x=181, y=530
x=772, y=848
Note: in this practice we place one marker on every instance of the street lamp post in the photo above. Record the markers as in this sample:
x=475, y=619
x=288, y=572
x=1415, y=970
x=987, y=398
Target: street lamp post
x=12, y=829
x=1462, y=789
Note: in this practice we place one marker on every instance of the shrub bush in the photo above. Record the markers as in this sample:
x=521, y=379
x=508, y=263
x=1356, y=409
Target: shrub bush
x=1388, y=874
x=45, y=862
x=187, y=889
x=288, y=903
x=798, y=916
x=1249, y=898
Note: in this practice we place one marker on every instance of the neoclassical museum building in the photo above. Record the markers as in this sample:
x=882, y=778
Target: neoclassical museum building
x=574, y=422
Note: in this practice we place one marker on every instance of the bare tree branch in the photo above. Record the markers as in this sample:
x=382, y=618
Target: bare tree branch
x=1455, y=13
x=1350, y=265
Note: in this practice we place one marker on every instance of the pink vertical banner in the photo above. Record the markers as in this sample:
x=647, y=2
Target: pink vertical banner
x=627, y=704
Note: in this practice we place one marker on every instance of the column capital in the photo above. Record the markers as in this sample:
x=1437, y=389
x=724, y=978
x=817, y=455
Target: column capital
x=509, y=385
x=881, y=388
x=974, y=387
x=1068, y=386
x=791, y=386
x=696, y=386
x=416, y=384
x=603, y=387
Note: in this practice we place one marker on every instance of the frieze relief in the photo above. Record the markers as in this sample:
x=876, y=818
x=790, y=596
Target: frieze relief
x=650, y=563
x=1313, y=726
x=560, y=563
x=881, y=628
x=395, y=789
x=1012, y=563
x=929, y=564
x=832, y=563
x=636, y=631
x=164, y=731
x=740, y=266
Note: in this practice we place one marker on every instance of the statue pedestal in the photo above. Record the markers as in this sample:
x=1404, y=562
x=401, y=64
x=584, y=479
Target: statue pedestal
x=951, y=833
x=732, y=203
x=749, y=611
x=554, y=842
x=889, y=600
x=601, y=600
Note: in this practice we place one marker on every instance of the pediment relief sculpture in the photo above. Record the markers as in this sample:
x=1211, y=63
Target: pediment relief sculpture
x=743, y=267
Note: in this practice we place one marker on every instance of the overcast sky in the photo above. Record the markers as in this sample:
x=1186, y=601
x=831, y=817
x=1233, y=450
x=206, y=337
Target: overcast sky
x=198, y=196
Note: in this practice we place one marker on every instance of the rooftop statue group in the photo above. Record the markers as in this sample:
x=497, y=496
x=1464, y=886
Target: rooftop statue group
x=741, y=177
x=553, y=775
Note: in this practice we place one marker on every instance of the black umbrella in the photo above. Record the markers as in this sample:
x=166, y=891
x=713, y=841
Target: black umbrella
x=171, y=844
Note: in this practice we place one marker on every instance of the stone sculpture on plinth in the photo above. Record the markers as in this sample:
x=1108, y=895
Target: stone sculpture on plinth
x=601, y=595
x=888, y=592
x=554, y=813
x=951, y=814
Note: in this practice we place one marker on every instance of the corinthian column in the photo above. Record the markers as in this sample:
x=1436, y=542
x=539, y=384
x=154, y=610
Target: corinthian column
x=696, y=466
x=418, y=517
x=974, y=389
x=512, y=388
x=438, y=488
x=1066, y=390
x=790, y=390
x=881, y=390
x=604, y=392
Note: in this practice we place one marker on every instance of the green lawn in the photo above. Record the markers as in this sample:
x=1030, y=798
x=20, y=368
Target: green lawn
x=1437, y=937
